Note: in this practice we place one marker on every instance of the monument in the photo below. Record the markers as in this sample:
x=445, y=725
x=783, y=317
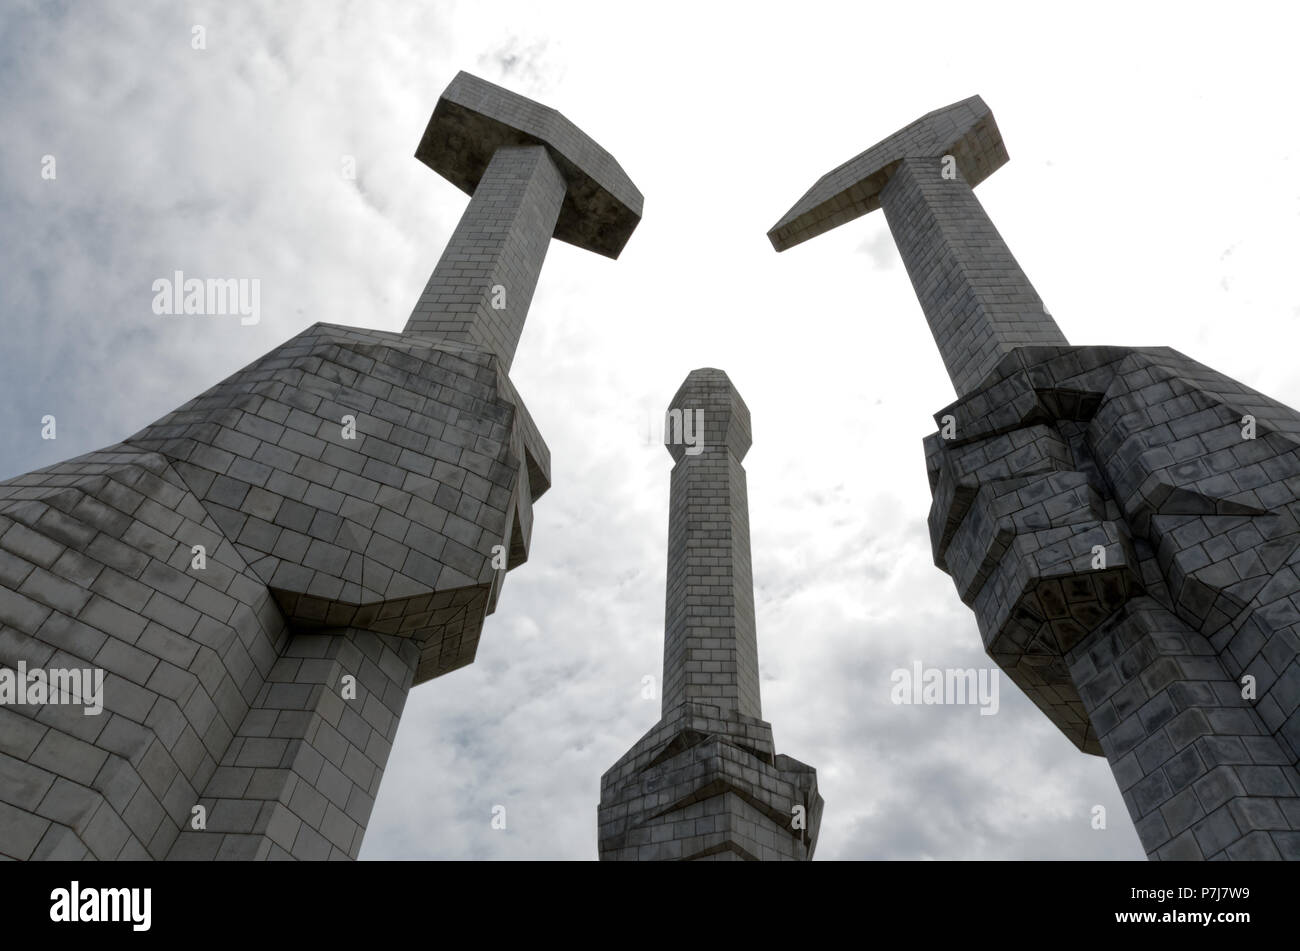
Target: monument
x=705, y=782
x=1122, y=520
x=263, y=574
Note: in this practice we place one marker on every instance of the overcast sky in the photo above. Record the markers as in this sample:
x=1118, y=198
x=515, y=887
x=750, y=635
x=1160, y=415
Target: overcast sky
x=1153, y=197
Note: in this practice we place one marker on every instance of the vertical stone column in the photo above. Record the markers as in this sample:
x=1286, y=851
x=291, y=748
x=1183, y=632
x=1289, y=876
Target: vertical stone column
x=705, y=783
x=710, y=641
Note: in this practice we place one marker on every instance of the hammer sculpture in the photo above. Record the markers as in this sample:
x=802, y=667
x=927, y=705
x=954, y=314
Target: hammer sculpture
x=1123, y=521
x=265, y=572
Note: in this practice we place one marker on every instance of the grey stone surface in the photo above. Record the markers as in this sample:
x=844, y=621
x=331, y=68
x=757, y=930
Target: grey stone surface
x=705, y=782
x=474, y=118
x=1124, y=522
x=966, y=130
x=500, y=243
x=710, y=640
x=358, y=497
x=978, y=302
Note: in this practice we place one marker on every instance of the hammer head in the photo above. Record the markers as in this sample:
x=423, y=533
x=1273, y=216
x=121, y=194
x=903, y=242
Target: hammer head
x=474, y=118
x=965, y=130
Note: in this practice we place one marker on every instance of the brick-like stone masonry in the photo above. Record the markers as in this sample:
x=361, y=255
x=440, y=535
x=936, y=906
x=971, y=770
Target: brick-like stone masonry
x=705, y=782
x=326, y=557
x=1130, y=552
x=500, y=242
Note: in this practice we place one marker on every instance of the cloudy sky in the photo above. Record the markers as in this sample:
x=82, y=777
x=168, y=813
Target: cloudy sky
x=1153, y=196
